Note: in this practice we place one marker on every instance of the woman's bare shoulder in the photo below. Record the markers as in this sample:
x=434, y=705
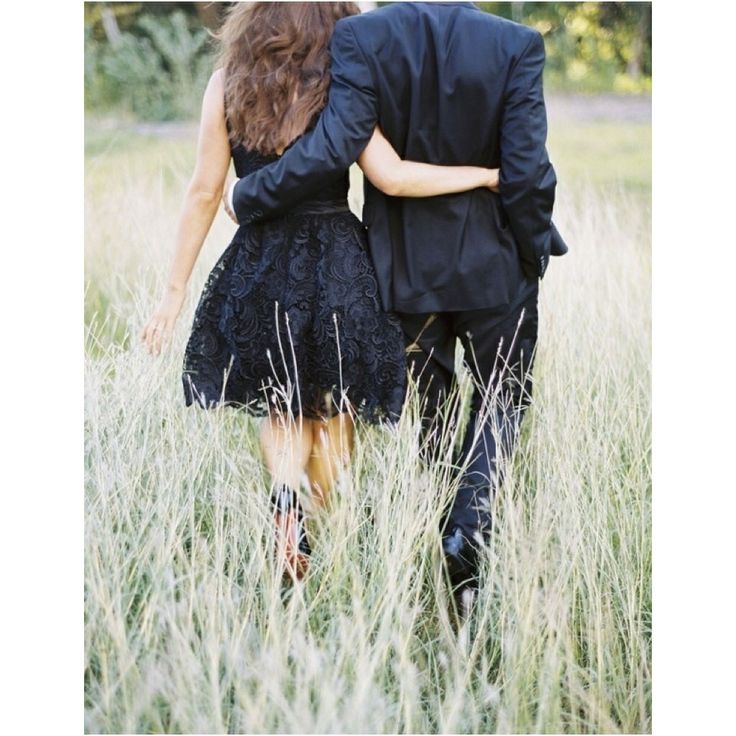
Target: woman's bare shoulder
x=217, y=79
x=214, y=94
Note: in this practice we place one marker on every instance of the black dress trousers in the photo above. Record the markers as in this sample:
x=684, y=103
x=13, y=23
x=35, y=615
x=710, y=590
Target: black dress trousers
x=499, y=350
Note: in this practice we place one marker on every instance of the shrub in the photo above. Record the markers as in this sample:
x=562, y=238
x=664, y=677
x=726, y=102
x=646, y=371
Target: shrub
x=158, y=72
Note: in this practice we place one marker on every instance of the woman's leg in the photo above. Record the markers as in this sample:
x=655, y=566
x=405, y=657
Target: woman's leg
x=287, y=443
x=332, y=447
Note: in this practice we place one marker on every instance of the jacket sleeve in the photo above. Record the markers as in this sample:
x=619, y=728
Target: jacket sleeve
x=527, y=180
x=342, y=132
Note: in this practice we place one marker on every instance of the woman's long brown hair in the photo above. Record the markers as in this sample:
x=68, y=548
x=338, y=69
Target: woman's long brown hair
x=276, y=63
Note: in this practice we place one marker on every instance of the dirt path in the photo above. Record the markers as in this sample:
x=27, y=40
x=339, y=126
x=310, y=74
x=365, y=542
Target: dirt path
x=582, y=108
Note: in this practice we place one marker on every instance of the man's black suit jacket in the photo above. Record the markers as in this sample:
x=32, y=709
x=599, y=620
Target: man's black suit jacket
x=448, y=84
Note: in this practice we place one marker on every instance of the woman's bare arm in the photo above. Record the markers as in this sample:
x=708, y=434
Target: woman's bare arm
x=202, y=197
x=397, y=178
x=200, y=205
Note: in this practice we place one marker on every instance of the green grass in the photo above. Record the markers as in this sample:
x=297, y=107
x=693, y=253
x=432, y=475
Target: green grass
x=185, y=630
x=598, y=153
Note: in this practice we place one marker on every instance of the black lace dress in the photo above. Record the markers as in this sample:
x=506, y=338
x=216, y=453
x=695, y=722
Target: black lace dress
x=290, y=317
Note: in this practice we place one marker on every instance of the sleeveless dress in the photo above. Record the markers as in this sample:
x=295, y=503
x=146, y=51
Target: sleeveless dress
x=290, y=316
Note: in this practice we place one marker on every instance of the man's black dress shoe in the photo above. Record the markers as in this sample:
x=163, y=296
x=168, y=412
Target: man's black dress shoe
x=461, y=558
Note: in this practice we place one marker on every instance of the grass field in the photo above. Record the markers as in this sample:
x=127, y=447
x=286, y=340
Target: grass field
x=185, y=628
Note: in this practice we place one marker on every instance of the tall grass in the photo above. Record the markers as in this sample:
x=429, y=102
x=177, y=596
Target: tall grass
x=186, y=627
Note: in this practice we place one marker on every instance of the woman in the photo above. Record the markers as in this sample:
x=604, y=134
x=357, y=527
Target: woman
x=289, y=324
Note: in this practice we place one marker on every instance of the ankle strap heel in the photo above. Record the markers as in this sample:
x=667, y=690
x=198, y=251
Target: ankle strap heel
x=284, y=500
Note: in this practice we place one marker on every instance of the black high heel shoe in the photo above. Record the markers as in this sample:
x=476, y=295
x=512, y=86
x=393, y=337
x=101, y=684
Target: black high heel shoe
x=292, y=545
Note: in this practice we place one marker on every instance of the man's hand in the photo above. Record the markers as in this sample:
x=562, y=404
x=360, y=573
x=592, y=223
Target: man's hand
x=226, y=198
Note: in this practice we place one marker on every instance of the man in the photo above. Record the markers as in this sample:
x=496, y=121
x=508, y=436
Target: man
x=448, y=84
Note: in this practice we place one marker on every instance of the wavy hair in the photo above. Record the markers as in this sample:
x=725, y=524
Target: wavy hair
x=276, y=63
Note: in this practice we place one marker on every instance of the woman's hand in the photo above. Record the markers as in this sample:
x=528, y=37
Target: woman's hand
x=198, y=211
x=493, y=175
x=160, y=326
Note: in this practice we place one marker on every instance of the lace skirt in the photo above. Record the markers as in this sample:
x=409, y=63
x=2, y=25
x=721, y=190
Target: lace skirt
x=290, y=317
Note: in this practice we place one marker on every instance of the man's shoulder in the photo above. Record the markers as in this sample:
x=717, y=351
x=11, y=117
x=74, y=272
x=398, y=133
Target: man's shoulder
x=514, y=38
x=515, y=33
x=389, y=15
x=361, y=22
x=366, y=30
x=370, y=30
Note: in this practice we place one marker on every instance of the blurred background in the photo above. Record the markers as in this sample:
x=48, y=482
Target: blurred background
x=152, y=60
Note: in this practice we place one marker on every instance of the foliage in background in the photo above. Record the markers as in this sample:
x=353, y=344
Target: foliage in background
x=156, y=70
x=591, y=47
x=153, y=59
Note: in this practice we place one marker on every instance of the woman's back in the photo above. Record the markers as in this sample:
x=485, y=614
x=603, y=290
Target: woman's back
x=333, y=196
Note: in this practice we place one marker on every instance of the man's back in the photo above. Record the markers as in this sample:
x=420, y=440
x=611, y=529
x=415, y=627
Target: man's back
x=440, y=70
x=441, y=73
